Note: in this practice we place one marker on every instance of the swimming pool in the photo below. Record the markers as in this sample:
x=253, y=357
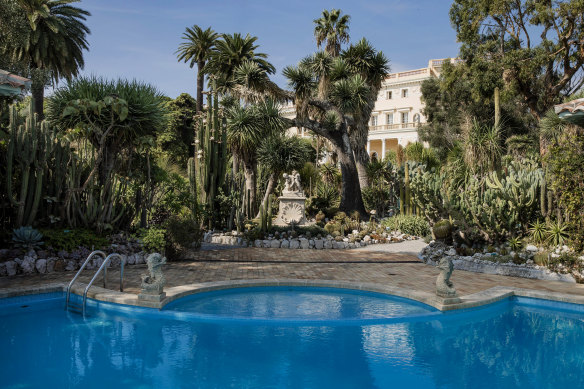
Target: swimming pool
x=514, y=343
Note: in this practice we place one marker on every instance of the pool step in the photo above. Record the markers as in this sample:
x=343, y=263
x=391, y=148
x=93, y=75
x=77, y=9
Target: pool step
x=75, y=307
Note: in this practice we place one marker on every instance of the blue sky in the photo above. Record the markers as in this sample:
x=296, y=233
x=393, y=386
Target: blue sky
x=138, y=38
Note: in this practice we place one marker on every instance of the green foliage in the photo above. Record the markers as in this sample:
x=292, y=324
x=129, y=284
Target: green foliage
x=514, y=38
x=427, y=187
x=182, y=233
x=327, y=197
x=501, y=205
x=381, y=194
x=407, y=224
x=280, y=153
x=113, y=123
x=310, y=177
x=565, y=163
x=537, y=231
x=89, y=103
x=515, y=244
x=27, y=238
x=312, y=231
x=176, y=139
x=153, y=239
x=557, y=234
x=565, y=263
x=71, y=239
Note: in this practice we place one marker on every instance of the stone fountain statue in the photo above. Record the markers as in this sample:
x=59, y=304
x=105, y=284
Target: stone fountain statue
x=292, y=207
x=445, y=287
x=153, y=283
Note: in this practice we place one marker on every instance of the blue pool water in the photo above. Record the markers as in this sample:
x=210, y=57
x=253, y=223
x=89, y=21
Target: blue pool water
x=516, y=343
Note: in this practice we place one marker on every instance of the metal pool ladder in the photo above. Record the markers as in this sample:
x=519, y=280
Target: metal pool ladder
x=106, y=260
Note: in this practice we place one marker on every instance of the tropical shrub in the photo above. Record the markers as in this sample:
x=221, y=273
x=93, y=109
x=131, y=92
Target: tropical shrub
x=565, y=162
x=71, y=239
x=182, y=233
x=327, y=197
x=153, y=239
x=407, y=224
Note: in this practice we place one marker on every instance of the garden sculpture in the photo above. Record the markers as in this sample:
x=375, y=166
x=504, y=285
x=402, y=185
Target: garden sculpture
x=445, y=287
x=292, y=207
x=153, y=283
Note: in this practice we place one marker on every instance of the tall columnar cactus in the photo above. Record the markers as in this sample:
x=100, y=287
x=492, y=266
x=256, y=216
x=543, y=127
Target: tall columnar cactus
x=211, y=149
x=30, y=146
x=408, y=196
x=191, y=170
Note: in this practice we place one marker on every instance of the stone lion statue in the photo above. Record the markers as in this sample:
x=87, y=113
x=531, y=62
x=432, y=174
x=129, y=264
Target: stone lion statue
x=153, y=283
x=445, y=287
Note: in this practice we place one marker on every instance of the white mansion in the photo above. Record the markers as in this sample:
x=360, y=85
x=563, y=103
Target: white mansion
x=397, y=112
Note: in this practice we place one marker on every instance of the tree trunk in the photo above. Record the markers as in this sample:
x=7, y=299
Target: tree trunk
x=358, y=139
x=38, y=97
x=269, y=190
x=361, y=161
x=250, y=186
x=200, y=85
x=351, y=198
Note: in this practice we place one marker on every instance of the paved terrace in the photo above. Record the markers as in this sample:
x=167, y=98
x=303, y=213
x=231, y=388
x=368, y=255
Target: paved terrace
x=392, y=266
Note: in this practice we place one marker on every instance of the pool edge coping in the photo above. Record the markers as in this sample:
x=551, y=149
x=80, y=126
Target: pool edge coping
x=478, y=299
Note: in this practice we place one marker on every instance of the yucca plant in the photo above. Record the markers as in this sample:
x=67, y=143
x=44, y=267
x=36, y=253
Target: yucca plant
x=27, y=238
x=557, y=234
x=538, y=231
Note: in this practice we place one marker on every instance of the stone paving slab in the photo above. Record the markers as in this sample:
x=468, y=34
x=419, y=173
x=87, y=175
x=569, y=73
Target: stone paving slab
x=404, y=274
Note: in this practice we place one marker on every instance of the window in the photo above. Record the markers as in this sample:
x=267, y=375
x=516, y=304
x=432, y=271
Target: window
x=404, y=93
x=373, y=120
x=388, y=95
x=404, y=117
x=389, y=118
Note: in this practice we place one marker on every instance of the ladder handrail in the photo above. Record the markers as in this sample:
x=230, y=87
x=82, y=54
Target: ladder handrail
x=104, y=265
x=93, y=253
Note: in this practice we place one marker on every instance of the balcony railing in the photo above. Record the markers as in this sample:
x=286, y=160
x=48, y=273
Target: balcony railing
x=397, y=126
x=413, y=72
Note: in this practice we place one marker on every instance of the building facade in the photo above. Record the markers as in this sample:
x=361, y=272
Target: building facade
x=398, y=110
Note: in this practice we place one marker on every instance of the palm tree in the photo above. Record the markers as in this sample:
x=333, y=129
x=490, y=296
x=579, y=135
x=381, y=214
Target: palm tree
x=333, y=29
x=55, y=42
x=196, y=48
x=247, y=127
x=231, y=52
x=362, y=59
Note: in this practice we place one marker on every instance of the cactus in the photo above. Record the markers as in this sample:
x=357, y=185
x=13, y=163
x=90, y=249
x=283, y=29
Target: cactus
x=442, y=230
x=191, y=170
x=211, y=154
x=39, y=163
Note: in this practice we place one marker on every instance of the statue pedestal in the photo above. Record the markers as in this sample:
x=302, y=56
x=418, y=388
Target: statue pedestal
x=152, y=297
x=292, y=209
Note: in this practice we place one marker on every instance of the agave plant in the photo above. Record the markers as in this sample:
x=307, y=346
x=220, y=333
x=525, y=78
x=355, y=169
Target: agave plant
x=515, y=244
x=27, y=238
x=537, y=231
x=557, y=234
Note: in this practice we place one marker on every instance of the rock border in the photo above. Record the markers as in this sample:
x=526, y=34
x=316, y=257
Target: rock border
x=478, y=263
x=301, y=242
